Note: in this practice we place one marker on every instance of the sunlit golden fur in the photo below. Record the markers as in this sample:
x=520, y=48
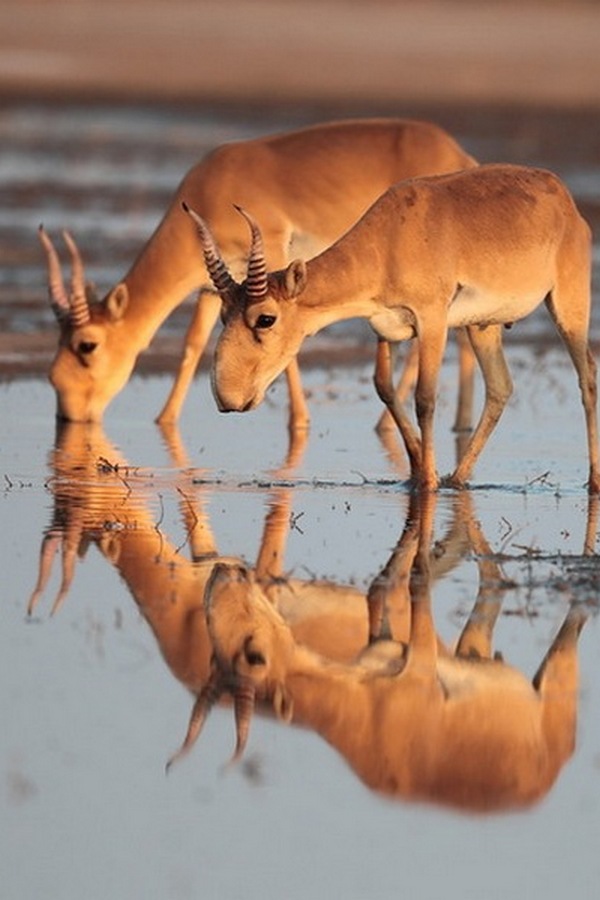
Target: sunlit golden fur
x=465, y=730
x=307, y=187
x=479, y=249
x=101, y=499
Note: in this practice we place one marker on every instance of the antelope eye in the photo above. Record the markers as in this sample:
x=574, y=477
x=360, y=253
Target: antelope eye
x=86, y=347
x=253, y=657
x=264, y=321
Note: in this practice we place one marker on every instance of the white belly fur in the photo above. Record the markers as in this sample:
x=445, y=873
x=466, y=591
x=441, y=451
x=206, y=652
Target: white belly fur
x=471, y=306
x=394, y=324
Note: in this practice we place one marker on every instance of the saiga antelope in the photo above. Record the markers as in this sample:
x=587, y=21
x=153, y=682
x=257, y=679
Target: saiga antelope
x=468, y=731
x=308, y=187
x=480, y=248
x=101, y=499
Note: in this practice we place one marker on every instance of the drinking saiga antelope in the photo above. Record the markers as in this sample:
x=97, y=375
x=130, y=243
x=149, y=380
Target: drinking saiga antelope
x=307, y=187
x=467, y=731
x=102, y=500
x=481, y=248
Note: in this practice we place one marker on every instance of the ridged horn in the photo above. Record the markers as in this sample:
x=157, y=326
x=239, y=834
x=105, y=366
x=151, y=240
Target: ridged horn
x=243, y=703
x=256, y=278
x=56, y=288
x=205, y=701
x=80, y=308
x=218, y=271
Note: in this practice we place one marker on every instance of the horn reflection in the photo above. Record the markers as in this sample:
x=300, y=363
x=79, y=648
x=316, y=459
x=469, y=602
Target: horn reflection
x=416, y=719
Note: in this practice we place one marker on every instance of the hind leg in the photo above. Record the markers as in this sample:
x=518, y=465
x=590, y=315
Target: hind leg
x=487, y=344
x=585, y=366
x=557, y=683
x=569, y=305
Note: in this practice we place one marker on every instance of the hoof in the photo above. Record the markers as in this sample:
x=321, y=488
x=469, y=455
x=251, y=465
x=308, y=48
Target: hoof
x=451, y=481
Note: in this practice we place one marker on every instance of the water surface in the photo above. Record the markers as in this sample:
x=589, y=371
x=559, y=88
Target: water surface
x=95, y=698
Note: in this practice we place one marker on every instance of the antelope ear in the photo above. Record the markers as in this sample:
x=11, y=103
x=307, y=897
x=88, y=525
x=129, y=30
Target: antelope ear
x=117, y=300
x=283, y=704
x=110, y=547
x=295, y=278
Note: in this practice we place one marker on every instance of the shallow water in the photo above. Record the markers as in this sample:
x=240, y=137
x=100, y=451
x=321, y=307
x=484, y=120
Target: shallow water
x=96, y=697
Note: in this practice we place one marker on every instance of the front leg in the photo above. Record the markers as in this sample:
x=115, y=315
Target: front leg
x=299, y=416
x=423, y=644
x=432, y=342
x=404, y=388
x=206, y=313
x=384, y=385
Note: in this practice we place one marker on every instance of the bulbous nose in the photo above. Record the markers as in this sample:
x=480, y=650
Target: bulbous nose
x=228, y=404
x=228, y=407
x=231, y=391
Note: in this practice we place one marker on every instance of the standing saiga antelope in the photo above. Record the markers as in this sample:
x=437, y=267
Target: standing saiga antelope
x=308, y=187
x=480, y=248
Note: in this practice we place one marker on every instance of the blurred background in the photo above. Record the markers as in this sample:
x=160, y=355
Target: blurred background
x=105, y=105
x=321, y=51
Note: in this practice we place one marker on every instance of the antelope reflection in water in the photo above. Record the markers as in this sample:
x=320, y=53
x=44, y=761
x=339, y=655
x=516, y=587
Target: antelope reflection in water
x=100, y=498
x=464, y=730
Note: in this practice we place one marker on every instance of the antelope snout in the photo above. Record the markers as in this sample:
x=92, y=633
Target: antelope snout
x=230, y=402
x=225, y=407
x=227, y=573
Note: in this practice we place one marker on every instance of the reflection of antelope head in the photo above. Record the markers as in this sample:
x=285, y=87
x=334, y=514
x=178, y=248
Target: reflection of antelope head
x=101, y=500
x=465, y=731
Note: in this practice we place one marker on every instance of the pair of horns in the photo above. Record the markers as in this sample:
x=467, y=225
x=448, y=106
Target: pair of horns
x=244, y=698
x=72, y=306
x=256, y=276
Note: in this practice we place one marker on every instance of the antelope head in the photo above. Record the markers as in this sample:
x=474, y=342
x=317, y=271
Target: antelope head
x=263, y=331
x=92, y=362
x=252, y=648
